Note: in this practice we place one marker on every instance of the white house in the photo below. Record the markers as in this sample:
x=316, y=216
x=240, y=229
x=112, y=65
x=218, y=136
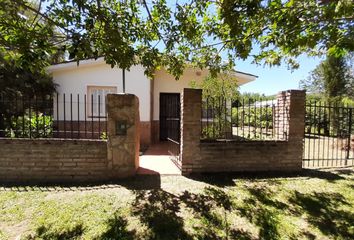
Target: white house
x=93, y=79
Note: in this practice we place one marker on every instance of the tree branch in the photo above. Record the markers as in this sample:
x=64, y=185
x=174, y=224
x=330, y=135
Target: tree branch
x=21, y=3
x=153, y=23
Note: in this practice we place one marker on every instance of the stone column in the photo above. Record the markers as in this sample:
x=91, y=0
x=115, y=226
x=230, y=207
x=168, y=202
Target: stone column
x=191, y=105
x=123, y=125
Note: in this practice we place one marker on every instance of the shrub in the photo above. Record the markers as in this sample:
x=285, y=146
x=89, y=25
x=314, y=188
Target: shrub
x=253, y=117
x=35, y=126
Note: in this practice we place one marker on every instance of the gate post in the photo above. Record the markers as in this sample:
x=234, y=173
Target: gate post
x=291, y=121
x=191, y=105
x=123, y=125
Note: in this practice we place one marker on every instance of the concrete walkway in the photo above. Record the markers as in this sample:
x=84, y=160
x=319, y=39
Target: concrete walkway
x=157, y=161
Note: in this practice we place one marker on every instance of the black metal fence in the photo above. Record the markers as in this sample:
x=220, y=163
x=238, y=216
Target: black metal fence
x=244, y=119
x=57, y=116
x=329, y=135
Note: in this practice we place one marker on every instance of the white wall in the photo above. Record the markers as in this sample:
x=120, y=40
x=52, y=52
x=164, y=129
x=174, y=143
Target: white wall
x=166, y=83
x=72, y=79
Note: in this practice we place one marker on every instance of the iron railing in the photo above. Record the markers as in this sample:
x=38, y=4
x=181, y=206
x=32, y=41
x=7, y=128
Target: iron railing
x=329, y=135
x=243, y=119
x=59, y=116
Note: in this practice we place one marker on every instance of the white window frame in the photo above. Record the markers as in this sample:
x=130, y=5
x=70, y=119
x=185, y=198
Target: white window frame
x=92, y=91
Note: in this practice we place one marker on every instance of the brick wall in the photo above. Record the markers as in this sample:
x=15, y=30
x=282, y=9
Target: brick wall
x=53, y=160
x=145, y=134
x=233, y=156
x=245, y=156
x=155, y=131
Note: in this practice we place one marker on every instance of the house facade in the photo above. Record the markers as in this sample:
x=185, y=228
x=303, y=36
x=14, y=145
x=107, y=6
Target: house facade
x=87, y=84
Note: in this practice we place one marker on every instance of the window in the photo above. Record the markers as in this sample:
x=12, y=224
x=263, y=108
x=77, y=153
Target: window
x=97, y=100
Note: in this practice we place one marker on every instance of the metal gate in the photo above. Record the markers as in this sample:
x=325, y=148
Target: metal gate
x=170, y=124
x=329, y=136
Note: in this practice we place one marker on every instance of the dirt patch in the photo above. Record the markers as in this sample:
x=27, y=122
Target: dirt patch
x=15, y=231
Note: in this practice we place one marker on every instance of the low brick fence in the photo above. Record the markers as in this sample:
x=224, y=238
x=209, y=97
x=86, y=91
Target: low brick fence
x=53, y=160
x=234, y=156
x=77, y=160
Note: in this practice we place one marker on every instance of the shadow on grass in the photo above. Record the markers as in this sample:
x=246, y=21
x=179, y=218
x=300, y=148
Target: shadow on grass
x=261, y=209
x=117, y=229
x=345, y=171
x=44, y=232
x=139, y=182
x=148, y=182
x=266, y=197
x=325, y=212
x=228, y=179
x=214, y=223
x=160, y=211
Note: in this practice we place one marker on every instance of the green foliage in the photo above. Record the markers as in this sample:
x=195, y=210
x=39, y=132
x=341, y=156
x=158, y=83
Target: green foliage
x=103, y=136
x=335, y=76
x=170, y=33
x=250, y=97
x=330, y=83
x=21, y=107
x=223, y=106
x=223, y=85
x=28, y=36
x=332, y=79
x=217, y=129
x=346, y=101
x=27, y=46
x=317, y=122
x=35, y=126
x=17, y=80
x=253, y=116
x=314, y=97
x=218, y=92
x=328, y=118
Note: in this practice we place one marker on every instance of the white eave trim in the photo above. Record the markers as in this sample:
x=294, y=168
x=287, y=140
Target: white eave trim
x=73, y=64
x=246, y=77
x=99, y=61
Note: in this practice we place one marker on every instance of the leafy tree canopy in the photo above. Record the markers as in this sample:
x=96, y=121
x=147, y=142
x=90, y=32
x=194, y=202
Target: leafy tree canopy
x=165, y=33
x=15, y=80
x=25, y=51
x=332, y=79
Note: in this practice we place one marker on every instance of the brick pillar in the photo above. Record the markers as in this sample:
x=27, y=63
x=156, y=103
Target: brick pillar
x=290, y=125
x=297, y=112
x=191, y=105
x=123, y=134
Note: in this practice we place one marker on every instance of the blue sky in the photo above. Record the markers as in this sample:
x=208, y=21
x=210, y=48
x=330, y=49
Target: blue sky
x=271, y=80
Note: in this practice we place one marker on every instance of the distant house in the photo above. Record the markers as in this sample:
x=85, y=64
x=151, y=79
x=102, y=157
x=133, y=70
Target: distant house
x=88, y=83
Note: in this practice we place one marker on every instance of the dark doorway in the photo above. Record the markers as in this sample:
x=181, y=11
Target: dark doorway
x=170, y=116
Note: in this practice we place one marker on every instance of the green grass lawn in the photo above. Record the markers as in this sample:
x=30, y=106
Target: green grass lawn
x=314, y=205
